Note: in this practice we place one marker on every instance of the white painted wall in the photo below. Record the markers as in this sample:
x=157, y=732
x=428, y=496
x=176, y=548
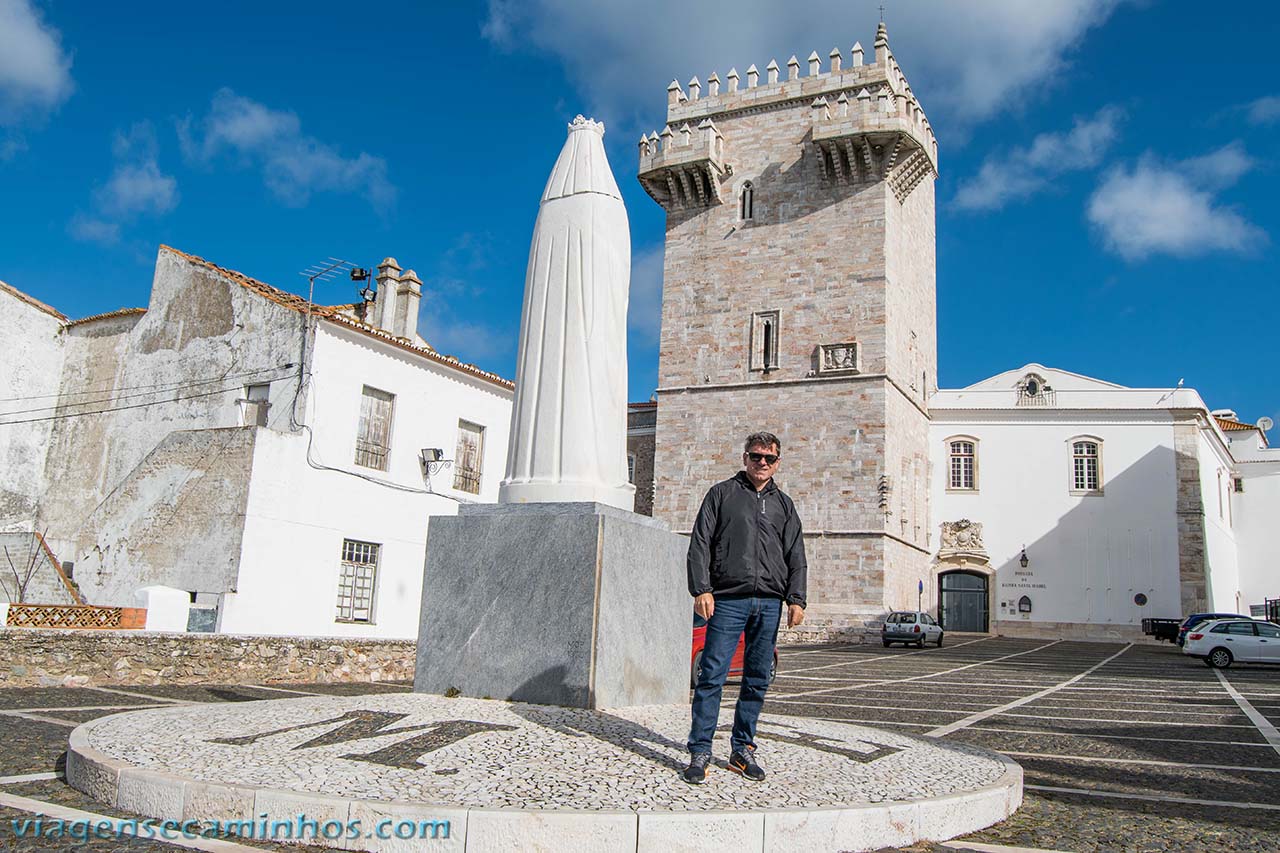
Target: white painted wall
x=1257, y=515
x=31, y=355
x=1089, y=555
x=298, y=515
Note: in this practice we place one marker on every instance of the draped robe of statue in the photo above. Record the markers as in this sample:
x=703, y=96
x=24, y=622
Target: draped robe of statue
x=569, y=423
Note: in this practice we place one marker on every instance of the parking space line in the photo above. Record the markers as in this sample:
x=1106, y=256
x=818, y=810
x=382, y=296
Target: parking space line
x=883, y=657
x=28, y=777
x=861, y=707
x=943, y=731
x=928, y=675
x=1108, y=720
x=1153, y=798
x=1264, y=726
x=1096, y=736
x=1090, y=759
x=53, y=810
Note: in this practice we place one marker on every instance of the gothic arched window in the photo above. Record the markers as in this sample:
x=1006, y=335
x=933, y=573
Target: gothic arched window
x=747, y=202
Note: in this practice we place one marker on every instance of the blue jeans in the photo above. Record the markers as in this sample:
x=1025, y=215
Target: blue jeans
x=758, y=618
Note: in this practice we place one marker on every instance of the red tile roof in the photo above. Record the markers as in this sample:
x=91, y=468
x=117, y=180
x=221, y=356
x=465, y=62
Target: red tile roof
x=334, y=315
x=119, y=312
x=1232, y=426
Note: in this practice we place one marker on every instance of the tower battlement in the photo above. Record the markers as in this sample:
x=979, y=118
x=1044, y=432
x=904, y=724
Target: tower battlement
x=867, y=123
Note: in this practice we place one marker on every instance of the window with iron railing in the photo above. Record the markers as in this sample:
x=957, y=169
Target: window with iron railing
x=373, y=439
x=469, y=458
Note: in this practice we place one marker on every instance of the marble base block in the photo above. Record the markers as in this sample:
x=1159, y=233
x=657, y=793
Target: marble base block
x=574, y=604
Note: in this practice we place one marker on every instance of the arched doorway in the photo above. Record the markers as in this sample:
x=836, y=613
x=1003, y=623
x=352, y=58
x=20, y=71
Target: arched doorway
x=962, y=602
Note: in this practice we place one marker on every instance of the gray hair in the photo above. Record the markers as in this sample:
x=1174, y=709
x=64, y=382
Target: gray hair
x=762, y=438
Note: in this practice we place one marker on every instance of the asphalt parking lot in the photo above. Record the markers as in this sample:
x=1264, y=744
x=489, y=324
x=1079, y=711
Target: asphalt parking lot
x=1125, y=747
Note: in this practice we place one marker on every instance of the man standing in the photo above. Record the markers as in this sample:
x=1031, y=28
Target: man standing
x=746, y=558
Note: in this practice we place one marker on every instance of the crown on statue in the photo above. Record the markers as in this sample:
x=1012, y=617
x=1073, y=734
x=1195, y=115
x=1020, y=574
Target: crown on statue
x=584, y=123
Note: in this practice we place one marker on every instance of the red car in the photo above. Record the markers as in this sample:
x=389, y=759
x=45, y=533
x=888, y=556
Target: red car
x=735, y=665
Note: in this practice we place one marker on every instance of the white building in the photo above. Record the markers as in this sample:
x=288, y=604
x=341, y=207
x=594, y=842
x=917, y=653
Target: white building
x=1070, y=506
x=235, y=442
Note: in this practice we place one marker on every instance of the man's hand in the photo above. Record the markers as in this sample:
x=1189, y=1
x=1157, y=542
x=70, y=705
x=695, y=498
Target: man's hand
x=795, y=615
x=704, y=605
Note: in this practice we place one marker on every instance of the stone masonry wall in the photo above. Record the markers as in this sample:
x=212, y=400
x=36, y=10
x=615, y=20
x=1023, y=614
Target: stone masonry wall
x=37, y=658
x=641, y=420
x=839, y=262
x=1193, y=574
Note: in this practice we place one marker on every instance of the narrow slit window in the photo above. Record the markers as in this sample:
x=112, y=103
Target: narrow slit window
x=747, y=208
x=764, y=340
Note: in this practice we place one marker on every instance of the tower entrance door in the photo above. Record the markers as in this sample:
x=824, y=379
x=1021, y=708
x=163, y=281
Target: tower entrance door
x=963, y=602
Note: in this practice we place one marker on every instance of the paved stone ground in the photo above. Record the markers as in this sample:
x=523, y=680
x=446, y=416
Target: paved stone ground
x=1115, y=739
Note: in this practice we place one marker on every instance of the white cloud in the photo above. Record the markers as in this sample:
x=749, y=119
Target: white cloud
x=1169, y=208
x=135, y=188
x=35, y=72
x=967, y=61
x=137, y=185
x=293, y=164
x=92, y=230
x=1265, y=110
x=644, y=311
x=1021, y=172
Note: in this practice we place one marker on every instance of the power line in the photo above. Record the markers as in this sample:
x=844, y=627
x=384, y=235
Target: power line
x=121, y=408
x=135, y=387
x=158, y=389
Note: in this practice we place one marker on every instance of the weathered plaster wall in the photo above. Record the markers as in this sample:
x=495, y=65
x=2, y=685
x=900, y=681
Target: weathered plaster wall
x=175, y=520
x=180, y=366
x=39, y=658
x=21, y=557
x=31, y=356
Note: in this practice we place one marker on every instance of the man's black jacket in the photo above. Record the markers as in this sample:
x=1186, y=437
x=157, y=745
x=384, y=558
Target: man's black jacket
x=746, y=542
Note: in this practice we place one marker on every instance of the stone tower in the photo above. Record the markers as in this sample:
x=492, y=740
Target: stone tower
x=798, y=297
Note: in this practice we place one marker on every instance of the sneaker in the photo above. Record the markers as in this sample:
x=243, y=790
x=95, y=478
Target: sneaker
x=745, y=763
x=696, y=772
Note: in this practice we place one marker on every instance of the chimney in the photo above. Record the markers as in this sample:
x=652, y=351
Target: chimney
x=408, y=297
x=384, y=306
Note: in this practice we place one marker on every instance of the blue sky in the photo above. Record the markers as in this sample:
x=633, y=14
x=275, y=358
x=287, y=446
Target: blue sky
x=1106, y=203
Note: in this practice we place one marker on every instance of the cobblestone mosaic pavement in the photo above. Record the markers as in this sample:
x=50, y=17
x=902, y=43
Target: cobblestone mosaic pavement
x=472, y=753
x=1148, y=756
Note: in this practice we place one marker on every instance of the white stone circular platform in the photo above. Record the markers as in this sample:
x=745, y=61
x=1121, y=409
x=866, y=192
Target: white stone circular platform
x=514, y=776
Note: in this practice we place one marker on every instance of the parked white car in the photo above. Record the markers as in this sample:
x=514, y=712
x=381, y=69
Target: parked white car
x=1225, y=641
x=910, y=626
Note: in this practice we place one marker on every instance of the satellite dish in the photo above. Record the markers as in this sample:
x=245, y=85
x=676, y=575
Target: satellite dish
x=1265, y=424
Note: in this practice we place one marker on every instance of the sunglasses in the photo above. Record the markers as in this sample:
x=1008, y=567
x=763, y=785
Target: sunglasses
x=768, y=458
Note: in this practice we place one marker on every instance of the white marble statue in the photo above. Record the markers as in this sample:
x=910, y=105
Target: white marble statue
x=569, y=423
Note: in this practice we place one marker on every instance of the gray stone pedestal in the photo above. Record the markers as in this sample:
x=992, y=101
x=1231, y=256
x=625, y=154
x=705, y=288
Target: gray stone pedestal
x=574, y=604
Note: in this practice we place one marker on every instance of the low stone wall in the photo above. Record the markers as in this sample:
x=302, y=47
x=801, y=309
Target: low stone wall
x=43, y=658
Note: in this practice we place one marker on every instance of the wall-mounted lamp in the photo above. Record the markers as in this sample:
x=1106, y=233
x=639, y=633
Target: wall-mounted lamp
x=1024, y=560
x=432, y=460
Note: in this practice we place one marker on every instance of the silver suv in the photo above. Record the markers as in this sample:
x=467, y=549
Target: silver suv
x=910, y=626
